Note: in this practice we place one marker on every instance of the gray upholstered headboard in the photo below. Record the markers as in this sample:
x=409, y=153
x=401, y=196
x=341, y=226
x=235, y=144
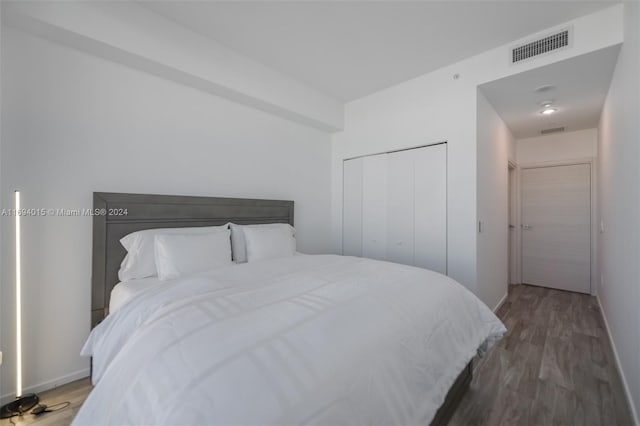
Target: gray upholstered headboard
x=161, y=211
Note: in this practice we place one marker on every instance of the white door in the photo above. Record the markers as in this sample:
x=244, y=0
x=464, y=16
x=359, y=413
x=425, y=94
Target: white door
x=374, y=207
x=400, y=202
x=395, y=207
x=430, y=210
x=352, y=208
x=556, y=227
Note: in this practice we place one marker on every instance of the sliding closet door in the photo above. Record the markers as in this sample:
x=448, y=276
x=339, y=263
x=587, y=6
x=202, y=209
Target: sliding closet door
x=352, y=208
x=374, y=207
x=395, y=207
x=400, y=200
x=430, y=198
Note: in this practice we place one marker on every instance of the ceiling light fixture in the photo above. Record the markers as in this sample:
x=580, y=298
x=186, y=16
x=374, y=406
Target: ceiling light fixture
x=548, y=111
x=543, y=89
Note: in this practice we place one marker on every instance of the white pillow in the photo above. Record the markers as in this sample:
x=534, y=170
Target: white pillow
x=178, y=255
x=238, y=244
x=269, y=243
x=140, y=259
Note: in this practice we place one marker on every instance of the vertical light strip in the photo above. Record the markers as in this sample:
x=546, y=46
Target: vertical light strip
x=18, y=301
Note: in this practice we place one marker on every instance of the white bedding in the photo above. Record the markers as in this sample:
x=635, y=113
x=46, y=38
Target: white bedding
x=305, y=339
x=124, y=291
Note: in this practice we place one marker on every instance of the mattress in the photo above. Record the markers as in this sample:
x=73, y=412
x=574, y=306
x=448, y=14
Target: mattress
x=299, y=340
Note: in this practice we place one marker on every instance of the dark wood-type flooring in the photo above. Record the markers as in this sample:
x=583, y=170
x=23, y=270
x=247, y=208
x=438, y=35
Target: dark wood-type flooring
x=554, y=366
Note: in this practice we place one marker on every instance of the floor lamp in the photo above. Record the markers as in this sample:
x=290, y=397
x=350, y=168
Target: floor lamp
x=22, y=403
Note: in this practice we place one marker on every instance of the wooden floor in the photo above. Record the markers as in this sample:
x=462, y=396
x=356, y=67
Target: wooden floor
x=554, y=367
x=74, y=392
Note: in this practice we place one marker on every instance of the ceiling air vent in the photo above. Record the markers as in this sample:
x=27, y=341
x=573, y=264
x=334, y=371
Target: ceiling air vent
x=538, y=47
x=554, y=130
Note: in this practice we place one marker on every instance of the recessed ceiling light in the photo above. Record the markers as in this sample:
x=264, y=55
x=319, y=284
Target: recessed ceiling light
x=543, y=89
x=548, y=111
x=546, y=104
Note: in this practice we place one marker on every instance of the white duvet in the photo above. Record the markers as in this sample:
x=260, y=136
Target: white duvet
x=328, y=340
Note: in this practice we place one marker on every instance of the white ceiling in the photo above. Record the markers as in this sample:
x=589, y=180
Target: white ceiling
x=580, y=87
x=349, y=49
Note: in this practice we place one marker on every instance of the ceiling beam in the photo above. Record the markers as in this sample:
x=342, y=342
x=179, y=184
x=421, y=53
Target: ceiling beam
x=132, y=35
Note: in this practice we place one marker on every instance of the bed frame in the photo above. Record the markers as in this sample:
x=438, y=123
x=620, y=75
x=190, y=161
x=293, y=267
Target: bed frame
x=454, y=396
x=116, y=215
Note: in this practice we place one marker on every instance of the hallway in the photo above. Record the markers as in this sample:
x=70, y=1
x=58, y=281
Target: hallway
x=554, y=366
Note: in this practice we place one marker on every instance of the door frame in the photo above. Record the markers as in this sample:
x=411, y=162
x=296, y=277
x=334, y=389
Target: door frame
x=591, y=161
x=513, y=197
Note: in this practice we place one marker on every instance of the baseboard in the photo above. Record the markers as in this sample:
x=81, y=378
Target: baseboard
x=627, y=392
x=501, y=302
x=50, y=384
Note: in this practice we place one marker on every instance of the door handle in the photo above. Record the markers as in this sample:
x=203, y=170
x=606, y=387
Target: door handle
x=526, y=227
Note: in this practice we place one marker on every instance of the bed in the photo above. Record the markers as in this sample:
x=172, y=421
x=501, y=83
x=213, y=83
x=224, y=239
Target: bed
x=317, y=339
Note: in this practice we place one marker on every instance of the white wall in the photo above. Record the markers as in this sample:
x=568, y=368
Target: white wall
x=438, y=107
x=512, y=151
x=619, y=205
x=579, y=144
x=494, y=143
x=72, y=124
x=129, y=33
x=1, y=235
